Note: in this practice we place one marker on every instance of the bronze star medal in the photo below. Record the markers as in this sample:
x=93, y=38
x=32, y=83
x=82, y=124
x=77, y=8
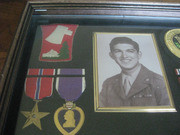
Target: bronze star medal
x=37, y=87
x=34, y=117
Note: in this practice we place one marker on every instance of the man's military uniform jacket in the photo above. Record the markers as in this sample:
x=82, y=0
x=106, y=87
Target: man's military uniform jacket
x=148, y=89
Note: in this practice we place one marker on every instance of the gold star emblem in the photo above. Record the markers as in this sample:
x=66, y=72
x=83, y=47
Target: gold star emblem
x=34, y=117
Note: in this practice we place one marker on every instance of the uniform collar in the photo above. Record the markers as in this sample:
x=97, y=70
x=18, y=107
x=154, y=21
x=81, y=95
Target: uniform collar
x=142, y=81
x=131, y=77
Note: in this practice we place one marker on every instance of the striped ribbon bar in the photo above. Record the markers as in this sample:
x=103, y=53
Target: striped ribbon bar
x=39, y=87
x=177, y=71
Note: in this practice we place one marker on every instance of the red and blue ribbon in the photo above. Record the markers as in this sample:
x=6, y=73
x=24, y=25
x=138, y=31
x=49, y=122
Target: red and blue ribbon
x=39, y=83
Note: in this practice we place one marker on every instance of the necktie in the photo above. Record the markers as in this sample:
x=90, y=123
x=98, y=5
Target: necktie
x=126, y=85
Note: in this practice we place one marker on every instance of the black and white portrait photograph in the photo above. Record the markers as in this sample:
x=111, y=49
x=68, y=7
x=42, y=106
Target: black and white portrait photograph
x=129, y=72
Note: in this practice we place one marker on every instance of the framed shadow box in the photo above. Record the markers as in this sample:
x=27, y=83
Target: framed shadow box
x=93, y=68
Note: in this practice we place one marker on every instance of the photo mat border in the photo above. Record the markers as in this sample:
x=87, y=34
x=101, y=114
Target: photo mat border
x=146, y=109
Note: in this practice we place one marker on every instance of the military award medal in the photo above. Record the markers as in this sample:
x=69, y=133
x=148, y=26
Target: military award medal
x=57, y=41
x=37, y=87
x=172, y=40
x=70, y=85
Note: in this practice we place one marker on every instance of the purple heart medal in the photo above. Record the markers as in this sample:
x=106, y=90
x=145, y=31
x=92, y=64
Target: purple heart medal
x=70, y=85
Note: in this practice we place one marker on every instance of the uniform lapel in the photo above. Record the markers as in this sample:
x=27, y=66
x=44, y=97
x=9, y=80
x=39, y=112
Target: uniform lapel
x=118, y=87
x=142, y=81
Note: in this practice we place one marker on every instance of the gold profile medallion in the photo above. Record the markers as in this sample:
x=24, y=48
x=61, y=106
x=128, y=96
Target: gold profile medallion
x=69, y=119
x=172, y=40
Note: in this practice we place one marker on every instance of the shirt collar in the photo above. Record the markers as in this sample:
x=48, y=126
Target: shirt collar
x=131, y=77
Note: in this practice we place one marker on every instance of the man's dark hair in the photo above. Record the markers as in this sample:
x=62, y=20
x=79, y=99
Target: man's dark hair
x=123, y=40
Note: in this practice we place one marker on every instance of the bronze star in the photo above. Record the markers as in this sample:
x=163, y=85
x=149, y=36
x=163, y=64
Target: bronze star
x=34, y=117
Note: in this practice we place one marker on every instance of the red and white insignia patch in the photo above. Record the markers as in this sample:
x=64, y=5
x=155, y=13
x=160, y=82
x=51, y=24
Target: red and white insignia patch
x=57, y=42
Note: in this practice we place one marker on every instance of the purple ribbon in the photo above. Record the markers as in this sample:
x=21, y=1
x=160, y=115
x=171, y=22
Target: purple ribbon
x=71, y=87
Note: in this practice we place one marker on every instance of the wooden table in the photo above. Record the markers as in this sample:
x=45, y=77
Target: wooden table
x=10, y=14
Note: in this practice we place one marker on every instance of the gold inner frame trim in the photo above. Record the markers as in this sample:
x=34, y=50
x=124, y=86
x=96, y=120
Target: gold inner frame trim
x=147, y=109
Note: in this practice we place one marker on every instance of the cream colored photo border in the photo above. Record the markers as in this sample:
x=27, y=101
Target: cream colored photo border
x=169, y=108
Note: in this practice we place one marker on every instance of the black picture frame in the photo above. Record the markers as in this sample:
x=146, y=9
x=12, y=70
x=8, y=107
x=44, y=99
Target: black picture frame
x=93, y=16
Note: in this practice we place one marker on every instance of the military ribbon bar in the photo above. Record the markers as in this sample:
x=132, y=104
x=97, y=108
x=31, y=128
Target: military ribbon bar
x=39, y=83
x=177, y=71
x=70, y=84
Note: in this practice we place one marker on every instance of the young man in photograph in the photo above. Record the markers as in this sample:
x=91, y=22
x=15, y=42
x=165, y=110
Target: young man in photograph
x=135, y=85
